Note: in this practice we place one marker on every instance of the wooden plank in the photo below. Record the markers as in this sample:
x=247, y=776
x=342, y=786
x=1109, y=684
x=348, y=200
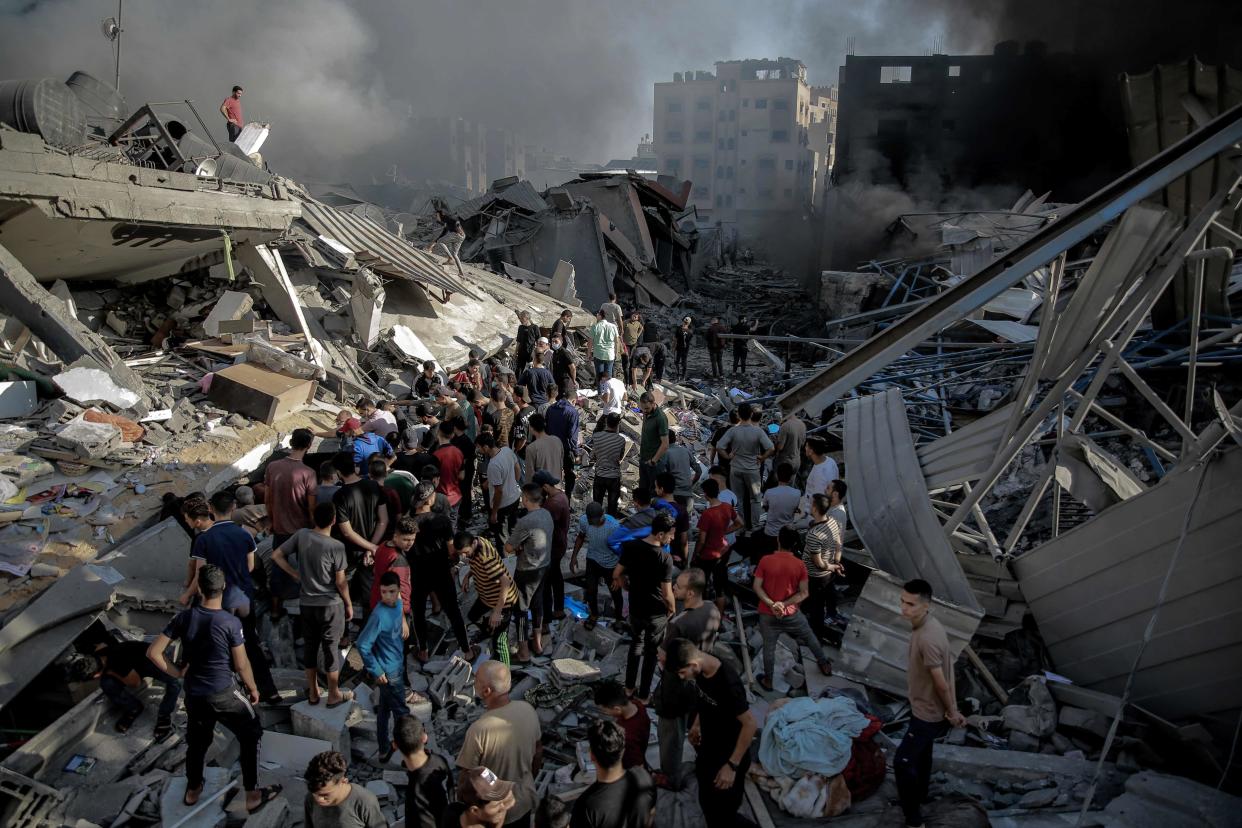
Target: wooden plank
x=755, y=797
x=986, y=675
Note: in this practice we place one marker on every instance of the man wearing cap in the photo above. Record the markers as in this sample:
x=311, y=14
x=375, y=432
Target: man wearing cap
x=484, y=800
x=682, y=338
x=507, y=738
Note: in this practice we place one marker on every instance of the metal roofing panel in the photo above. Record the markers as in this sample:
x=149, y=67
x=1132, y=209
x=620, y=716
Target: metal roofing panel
x=888, y=498
x=391, y=252
x=876, y=644
x=965, y=453
x=1013, y=331
x=1092, y=591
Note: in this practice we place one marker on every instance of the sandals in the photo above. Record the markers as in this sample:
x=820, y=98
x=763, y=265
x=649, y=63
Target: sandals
x=163, y=729
x=266, y=795
x=346, y=697
x=185, y=798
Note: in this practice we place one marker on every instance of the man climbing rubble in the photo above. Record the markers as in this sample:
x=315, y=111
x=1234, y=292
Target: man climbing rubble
x=451, y=237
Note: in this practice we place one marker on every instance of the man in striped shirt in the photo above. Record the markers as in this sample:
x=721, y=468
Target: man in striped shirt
x=608, y=447
x=822, y=554
x=497, y=595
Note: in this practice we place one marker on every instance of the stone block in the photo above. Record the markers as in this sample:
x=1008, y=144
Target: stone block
x=382, y=790
x=232, y=305
x=89, y=440
x=1041, y=798
x=1023, y=741
x=324, y=723
x=289, y=751
x=450, y=681
x=1076, y=718
x=173, y=808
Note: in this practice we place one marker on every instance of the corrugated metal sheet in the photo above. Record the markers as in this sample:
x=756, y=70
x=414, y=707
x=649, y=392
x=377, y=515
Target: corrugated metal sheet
x=1013, y=331
x=888, y=498
x=876, y=644
x=388, y=253
x=522, y=195
x=965, y=453
x=1092, y=591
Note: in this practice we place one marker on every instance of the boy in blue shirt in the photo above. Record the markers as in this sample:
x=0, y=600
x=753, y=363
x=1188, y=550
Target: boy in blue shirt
x=594, y=529
x=382, y=645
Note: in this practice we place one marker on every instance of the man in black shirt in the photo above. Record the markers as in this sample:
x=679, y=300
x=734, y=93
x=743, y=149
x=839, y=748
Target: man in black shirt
x=361, y=521
x=537, y=380
x=431, y=571
x=721, y=733
x=527, y=336
x=430, y=780
x=465, y=444
x=452, y=234
x=212, y=642
x=564, y=369
x=743, y=328
x=649, y=570
x=619, y=798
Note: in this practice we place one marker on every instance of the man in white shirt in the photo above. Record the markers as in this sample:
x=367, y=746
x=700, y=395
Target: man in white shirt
x=504, y=492
x=376, y=420
x=823, y=471
x=611, y=396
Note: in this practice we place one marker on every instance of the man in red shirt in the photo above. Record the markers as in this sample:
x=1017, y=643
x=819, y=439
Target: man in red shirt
x=557, y=504
x=391, y=555
x=232, y=112
x=452, y=468
x=289, y=494
x=632, y=715
x=711, y=550
x=781, y=583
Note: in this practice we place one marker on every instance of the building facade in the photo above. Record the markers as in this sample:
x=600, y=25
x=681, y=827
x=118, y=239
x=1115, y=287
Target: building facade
x=742, y=136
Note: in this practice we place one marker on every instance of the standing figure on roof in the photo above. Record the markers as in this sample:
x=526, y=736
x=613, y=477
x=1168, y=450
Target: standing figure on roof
x=231, y=109
x=451, y=237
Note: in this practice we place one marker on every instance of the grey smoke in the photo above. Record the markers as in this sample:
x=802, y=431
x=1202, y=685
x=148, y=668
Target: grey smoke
x=337, y=78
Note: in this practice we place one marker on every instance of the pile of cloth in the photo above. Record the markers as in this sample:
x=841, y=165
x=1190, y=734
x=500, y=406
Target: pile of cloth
x=816, y=756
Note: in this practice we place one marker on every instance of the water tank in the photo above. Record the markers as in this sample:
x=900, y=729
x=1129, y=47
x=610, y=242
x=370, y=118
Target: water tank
x=45, y=107
x=105, y=108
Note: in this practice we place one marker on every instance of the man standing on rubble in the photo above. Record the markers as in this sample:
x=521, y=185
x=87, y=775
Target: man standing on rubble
x=452, y=234
x=746, y=446
x=361, y=523
x=654, y=441
x=231, y=109
x=933, y=699
x=564, y=423
x=527, y=336
x=507, y=738
x=716, y=346
x=213, y=647
x=604, y=336
x=682, y=337
x=631, y=335
x=742, y=329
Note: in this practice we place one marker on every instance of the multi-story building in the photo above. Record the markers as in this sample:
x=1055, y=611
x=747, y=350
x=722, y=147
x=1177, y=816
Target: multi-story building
x=741, y=135
x=504, y=155
x=823, y=132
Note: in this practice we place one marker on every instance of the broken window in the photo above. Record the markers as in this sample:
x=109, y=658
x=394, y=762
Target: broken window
x=895, y=74
x=703, y=136
x=703, y=105
x=673, y=136
x=955, y=71
x=673, y=105
x=780, y=103
x=789, y=164
x=780, y=135
x=761, y=103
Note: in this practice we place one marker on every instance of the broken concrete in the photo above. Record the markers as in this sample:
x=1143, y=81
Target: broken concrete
x=232, y=305
x=323, y=723
x=93, y=385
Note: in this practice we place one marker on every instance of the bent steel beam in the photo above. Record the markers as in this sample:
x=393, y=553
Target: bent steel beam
x=820, y=391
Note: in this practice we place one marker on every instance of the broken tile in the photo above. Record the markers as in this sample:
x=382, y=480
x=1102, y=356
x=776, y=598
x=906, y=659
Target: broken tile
x=92, y=385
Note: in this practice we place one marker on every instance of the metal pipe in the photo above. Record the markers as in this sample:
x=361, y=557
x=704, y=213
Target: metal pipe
x=1199, y=258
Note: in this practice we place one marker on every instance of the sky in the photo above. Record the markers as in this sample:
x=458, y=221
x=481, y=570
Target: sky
x=336, y=78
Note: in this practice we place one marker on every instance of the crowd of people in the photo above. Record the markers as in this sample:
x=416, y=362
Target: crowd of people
x=470, y=485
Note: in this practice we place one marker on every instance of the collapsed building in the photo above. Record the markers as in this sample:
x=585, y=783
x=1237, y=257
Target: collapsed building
x=1015, y=426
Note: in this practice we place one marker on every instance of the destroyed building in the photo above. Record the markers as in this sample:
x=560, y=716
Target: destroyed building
x=1037, y=412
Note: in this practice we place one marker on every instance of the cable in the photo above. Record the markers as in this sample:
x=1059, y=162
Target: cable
x=1147, y=636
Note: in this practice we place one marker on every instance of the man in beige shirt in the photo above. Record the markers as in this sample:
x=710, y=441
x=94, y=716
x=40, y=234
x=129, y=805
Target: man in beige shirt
x=507, y=738
x=933, y=702
x=543, y=452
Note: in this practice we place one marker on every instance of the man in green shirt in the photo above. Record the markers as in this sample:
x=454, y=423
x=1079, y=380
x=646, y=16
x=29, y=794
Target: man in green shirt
x=654, y=441
x=604, y=336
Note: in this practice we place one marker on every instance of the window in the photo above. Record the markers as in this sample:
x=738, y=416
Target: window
x=703, y=136
x=720, y=116
x=780, y=136
x=720, y=143
x=704, y=193
x=955, y=71
x=719, y=200
x=789, y=164
x=703, y=105
x=729, y=171
x=761, y=103
x=728, y=201
x=780, y=103
x=767, y=194
x=767, y=163
x=702, y=164
x=745, y=132
x=895, y=74
x=672, y=105
x=673, y=136
x=720, y=172
x=732, y=114
x=724, y=86
x=729, y=144
x=673, y=165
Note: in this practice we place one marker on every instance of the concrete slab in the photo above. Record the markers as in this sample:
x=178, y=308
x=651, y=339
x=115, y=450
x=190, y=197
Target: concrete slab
x=173, y=808
x=17, y=399
x=323, y=723
x=232, y=304
x=289, y=751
